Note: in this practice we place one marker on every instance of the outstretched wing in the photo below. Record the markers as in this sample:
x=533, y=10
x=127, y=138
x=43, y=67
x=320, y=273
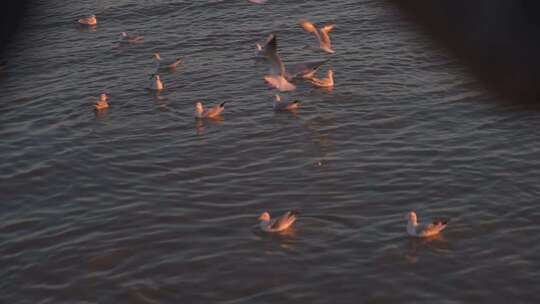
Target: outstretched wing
x=432, y=228
x=285, y=220
x=324, y=34
x=270, y=46
x=304, y=68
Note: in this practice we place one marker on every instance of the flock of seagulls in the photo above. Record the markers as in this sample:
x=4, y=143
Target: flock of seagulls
x=279, y=78
x=414, y=229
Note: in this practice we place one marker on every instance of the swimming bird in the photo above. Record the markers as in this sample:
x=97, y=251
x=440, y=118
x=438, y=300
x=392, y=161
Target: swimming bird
x=327, y=82
x=156, y=83
x=90, y=21
x=164, y=64
x=278, y=224
x=258, y=1
x=423, y=230
x=321, y=34
x=278, y=81
x=131, y=39
x=268, y=48
x=280, y=105
x=102, y=103
x=213, y=113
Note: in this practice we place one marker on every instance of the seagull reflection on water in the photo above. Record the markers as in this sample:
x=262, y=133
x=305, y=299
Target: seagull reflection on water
x=436, y=244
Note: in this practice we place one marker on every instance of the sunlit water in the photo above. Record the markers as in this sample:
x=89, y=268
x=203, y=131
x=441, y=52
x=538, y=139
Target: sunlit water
x=142, y=204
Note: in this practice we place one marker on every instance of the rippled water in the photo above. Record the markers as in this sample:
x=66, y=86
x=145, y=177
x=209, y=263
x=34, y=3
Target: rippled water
x=142, y=204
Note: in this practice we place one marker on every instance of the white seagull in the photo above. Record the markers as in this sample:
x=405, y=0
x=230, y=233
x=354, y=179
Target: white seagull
x=423, y=230
x=280, y=105
x=213, y=113
x=321, y=34
x=278, y=224
x=90, y=21
x=156, y=83
x=164, y=64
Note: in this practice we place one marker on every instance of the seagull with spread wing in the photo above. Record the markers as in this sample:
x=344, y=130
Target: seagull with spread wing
x=423, y=230
x=277, y=224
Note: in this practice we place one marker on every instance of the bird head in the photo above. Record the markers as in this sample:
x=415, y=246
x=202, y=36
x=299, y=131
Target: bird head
x=265, y=216
x=411, y=217
x=199, y=107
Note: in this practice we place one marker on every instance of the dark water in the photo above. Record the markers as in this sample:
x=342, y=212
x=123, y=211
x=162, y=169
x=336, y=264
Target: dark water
x=143, y=205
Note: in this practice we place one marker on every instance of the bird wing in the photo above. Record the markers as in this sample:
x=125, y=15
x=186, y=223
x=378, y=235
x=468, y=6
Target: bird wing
x=324, y=34
x=284, y=221
x=304, y=68
x=276, y=65
x=215, y=111
x=270, y=46
x=432, y=228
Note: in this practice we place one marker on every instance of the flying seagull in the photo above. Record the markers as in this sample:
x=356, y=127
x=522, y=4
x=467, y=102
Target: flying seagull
x=321, y=34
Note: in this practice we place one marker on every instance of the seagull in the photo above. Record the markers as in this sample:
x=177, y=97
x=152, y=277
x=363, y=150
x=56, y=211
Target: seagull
x=90, y=21
x=258, y=1
x=423, y=230
x=280, y=105
x=322, y=35
x=156, y=83
x=213, y=113
x=102, y=103
x=268, y=48
x=278, y=81
x=171, y=65
x=131, y=39
x=327, y=82
x=278, y=224
x=304, y=70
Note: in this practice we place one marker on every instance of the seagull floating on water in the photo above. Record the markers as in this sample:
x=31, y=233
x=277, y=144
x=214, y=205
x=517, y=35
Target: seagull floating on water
x=321, y=34
x=164, y=64
x=327, y=82
x=280, y=105
x=213, y=113
x=131, y=39
x=102, y=103
x=91, y=20
x=156, y=83
x=278, y=224
x=423, y=230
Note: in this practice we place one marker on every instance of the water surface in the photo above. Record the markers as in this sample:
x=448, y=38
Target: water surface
x=142, y=204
